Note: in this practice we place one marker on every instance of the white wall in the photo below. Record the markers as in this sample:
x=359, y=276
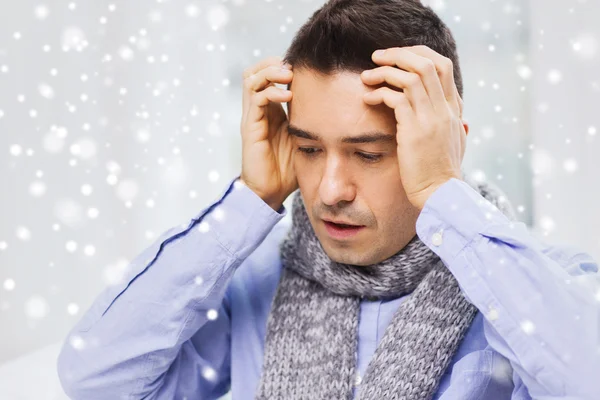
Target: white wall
x=150, y=152
x=565, y=117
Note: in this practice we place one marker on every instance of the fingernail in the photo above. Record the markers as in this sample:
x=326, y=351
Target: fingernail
x=379, y=52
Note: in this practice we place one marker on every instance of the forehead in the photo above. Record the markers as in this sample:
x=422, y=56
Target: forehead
x=332, y=105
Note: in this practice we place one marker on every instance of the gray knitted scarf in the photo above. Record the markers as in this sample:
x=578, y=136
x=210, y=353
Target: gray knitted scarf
x=311, y=339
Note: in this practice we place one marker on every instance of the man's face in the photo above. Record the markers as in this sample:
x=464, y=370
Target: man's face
x=338, y=181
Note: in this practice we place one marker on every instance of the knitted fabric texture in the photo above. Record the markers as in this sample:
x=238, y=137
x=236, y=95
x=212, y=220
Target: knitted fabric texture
x=311, y=338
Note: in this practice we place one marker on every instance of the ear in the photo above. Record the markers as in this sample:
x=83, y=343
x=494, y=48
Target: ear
x=466, y=125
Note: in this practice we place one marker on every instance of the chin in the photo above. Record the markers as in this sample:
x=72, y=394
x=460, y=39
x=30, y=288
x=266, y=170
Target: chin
x=345, y=256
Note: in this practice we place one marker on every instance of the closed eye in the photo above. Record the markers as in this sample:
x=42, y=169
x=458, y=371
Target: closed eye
x=311, y=152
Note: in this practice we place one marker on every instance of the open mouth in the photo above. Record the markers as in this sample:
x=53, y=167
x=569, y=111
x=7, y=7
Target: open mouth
x=342, y=226
x=342, y=231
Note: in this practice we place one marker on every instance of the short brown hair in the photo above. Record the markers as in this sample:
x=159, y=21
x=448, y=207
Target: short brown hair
x=342, y=34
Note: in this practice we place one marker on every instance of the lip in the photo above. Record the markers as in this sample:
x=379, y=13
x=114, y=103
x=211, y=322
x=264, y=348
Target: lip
x=338, y=222
x=341, y=233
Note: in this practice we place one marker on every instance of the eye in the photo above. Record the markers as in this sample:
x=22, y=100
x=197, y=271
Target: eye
x=370, y=157
x=309, y=151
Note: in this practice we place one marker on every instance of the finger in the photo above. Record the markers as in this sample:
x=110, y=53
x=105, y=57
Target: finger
x=409, y=82
x=263, y=98
x=267, y=76
x=263, y=79
x=424, y=67
x=395, y=100
x=274, y=60
x=445, y=70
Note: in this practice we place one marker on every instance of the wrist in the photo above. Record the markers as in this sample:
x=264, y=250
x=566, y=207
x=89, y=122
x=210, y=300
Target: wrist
x=272, y=201
x=418, y=200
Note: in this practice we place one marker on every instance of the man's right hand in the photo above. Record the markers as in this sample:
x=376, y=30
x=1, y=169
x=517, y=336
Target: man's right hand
x=267, y=149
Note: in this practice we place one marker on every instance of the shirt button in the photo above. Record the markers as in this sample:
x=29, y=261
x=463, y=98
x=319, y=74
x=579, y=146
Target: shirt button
x=357, y=379
x=436, y=239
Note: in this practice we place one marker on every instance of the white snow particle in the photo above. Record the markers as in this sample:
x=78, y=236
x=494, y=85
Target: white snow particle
x=86, y=189
x=213, y=176
x=37, y=188
x=524, y=72
x=23, y=233
x=77, y=342
x=41, y=12
x=71, y=246
x=209, y=373
x=218, y=213
x=570, y=165
x=9, y=284
x=126, y=53
x=218, y=16
x=554, y=76
x=586, y=46
x=127, y=190
x=192, y=10
x=92, y=213
x=528, y=327
x=16, y=150
x=142, y=135
x=36, y=307
x=73, y=38
x=46, y=91
x=212, y=314
x=89, y=250
x=72, y=308
x=84, y=148
x=203, y=227
x=547, y=223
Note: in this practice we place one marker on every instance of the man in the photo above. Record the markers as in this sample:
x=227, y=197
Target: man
x=397, y=278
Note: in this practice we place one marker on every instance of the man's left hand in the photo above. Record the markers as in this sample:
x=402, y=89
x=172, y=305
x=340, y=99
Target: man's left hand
x=430, y=133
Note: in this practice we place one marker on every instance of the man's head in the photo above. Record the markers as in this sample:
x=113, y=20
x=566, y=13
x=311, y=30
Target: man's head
x=346, y=160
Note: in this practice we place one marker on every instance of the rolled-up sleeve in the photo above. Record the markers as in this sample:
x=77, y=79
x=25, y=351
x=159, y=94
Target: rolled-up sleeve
x=541, y=302
x=134, y=341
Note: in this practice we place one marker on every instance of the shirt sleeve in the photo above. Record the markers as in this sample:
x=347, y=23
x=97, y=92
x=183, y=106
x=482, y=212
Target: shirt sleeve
x=541, y=303
x=134, y=342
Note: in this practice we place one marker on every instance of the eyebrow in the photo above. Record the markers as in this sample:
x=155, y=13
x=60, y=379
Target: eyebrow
x=367, y=137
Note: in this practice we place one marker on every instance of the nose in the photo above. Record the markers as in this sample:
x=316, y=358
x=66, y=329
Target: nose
x=336, y=184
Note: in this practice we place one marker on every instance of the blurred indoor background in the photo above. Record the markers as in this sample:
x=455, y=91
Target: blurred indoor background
x=119, y=120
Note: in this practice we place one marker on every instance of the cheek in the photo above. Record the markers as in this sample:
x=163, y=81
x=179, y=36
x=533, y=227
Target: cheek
x=388, y=203
x=307, y=171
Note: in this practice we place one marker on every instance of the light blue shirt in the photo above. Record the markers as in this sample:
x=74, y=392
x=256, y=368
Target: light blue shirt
x=188, y=320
